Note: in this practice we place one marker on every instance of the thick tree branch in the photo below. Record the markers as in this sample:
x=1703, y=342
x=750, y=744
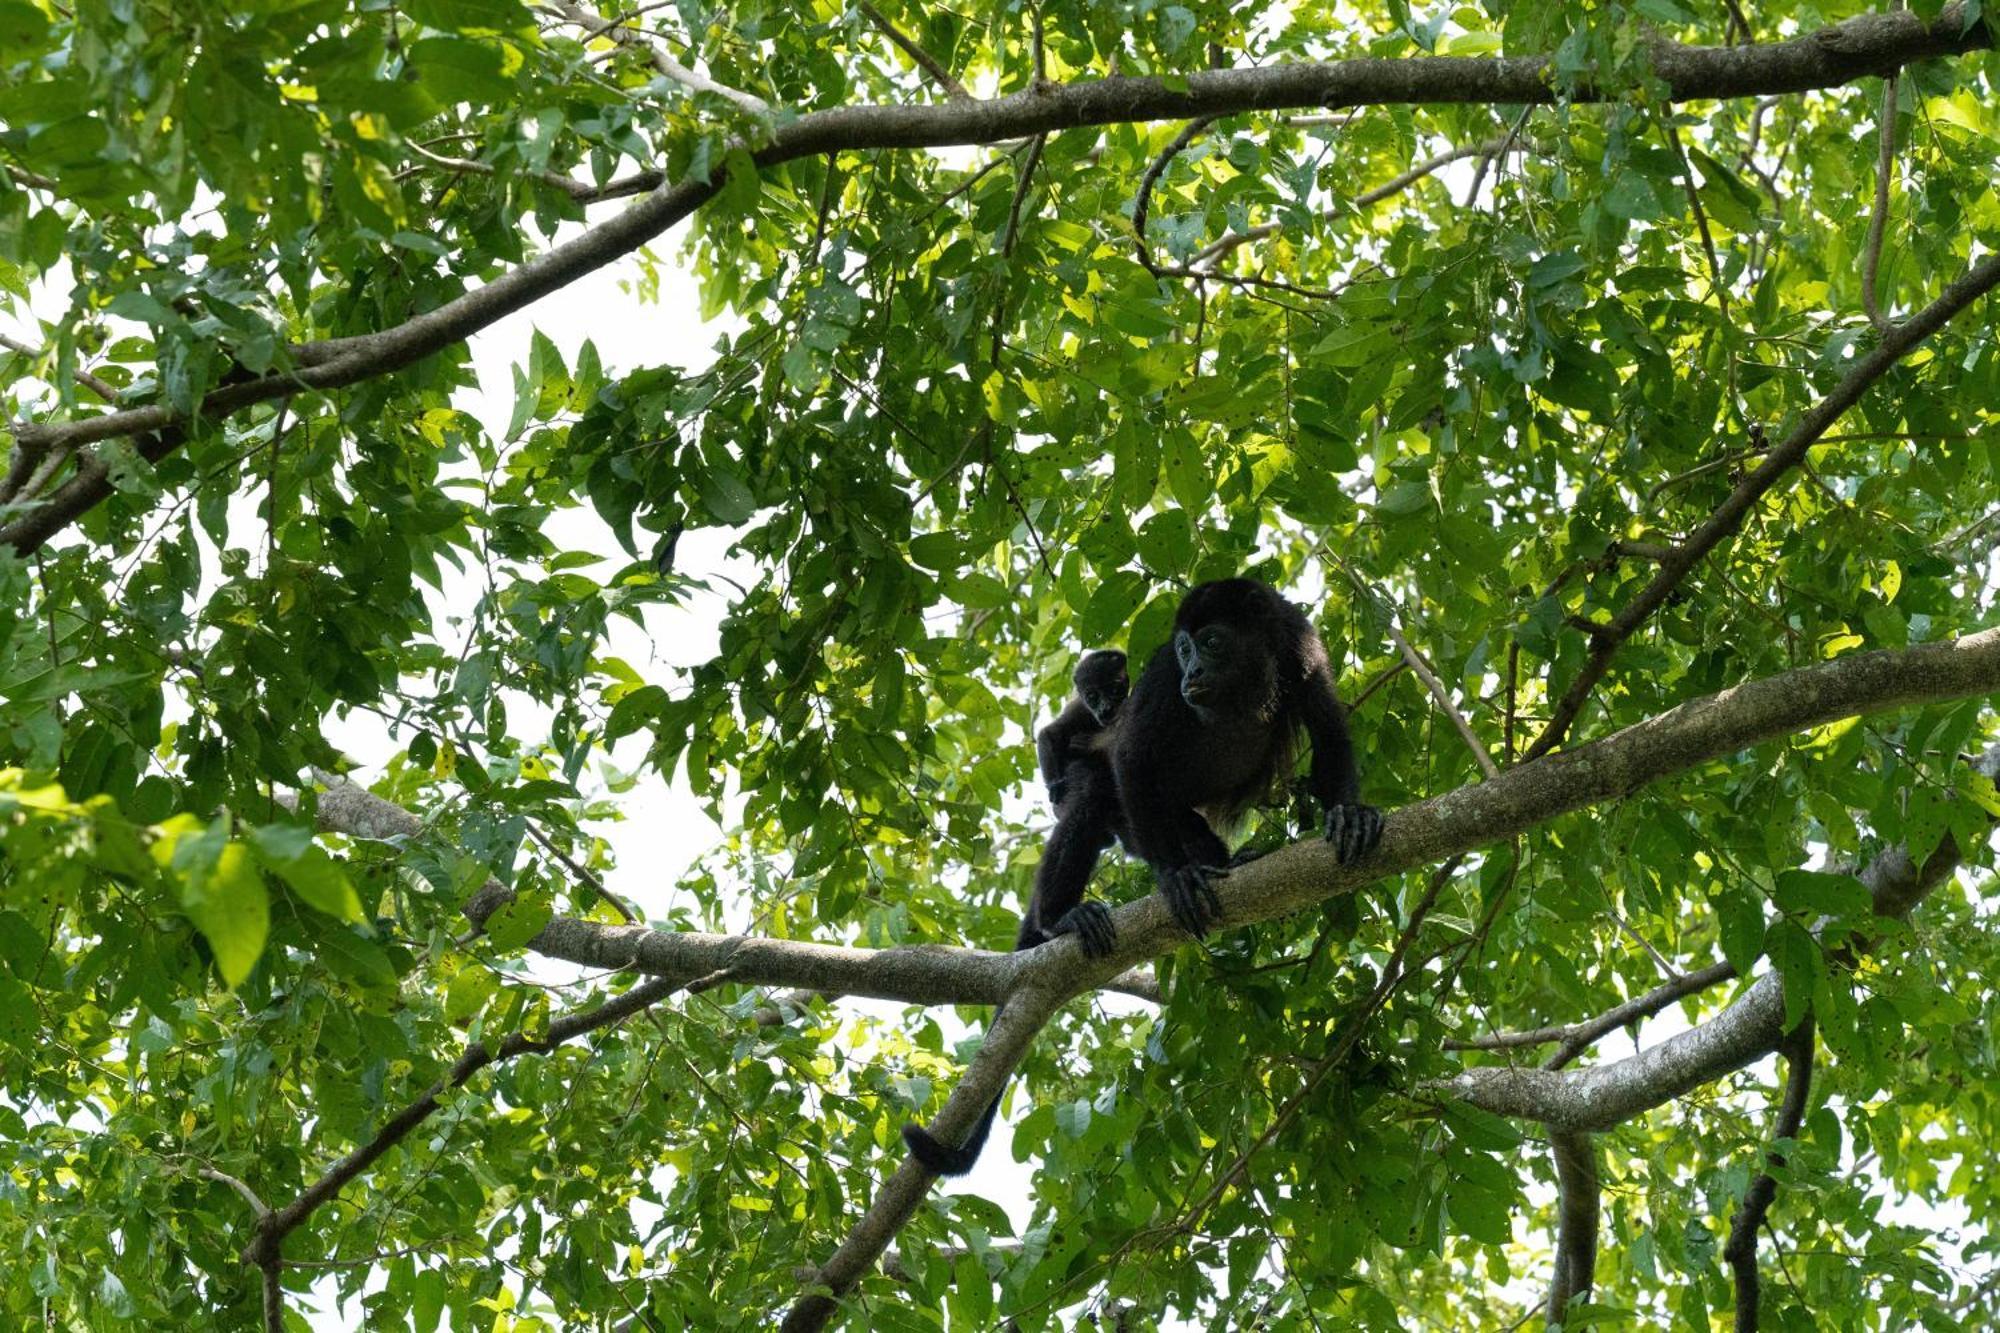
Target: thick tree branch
x=921, y=974
x=1577, y=1204
x=1750, y=1027
x=1864, y=46
x=1741, y=1251
x=1457, y=822
x=1675, y=563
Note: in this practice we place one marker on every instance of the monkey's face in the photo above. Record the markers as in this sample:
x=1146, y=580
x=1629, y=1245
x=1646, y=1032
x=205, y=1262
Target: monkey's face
x=1101, y=682
x=1224, y=668
x=1103, y=699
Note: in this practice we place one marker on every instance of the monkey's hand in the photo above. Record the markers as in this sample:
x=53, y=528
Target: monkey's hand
x=1191, y=897
x=1353, y=830
x=1090, y=922
x=1057, y=790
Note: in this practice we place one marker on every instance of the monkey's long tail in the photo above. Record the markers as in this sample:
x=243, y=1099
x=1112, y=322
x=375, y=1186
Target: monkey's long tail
x=928, y=1149
x=925, y=1146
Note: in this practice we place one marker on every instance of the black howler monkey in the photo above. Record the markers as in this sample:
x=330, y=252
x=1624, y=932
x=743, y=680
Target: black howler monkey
x=1211, y=726
x=1101, y=685
x=1077, y=768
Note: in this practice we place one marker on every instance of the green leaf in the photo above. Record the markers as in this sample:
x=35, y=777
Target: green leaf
x=1740, y=913
x=224, y=897
x=468, y=993
x=288, y=851
x=1800, y=963
x=728, y=498
x=469, y=15
x=1110, y=607
x=354, y=958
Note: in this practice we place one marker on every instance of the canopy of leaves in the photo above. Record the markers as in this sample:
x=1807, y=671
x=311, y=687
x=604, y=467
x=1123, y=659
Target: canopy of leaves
x=969, y=419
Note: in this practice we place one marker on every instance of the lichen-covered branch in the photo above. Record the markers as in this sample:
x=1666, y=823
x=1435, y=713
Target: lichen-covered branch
x=1750, y=1027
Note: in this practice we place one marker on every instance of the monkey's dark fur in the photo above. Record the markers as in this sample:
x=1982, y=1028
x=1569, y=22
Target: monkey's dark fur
x=1101, y=685
x=1211, y=727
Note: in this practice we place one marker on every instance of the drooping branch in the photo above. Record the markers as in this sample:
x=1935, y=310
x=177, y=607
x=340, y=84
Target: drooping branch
x=266, y=1250
x=1676, y=562
x=1878, y=218
x=1142, y=201
x=1395, y=185
x=1864, y=46
x=639, y=182
x=1578, y=1037
x=1457, y=822
x=1741, y=1251
x=1577, y=1203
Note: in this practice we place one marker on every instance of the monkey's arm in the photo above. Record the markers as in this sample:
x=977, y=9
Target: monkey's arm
x=1055, y=745
x=1178, y=844
x=1352, y=827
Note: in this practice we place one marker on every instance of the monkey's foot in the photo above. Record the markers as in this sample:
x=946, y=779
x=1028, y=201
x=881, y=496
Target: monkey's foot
x=1191, y=897
x=1353, y=830
x=1090, y=922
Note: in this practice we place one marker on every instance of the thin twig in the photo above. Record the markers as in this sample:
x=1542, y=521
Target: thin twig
x=618, y=904
x=1701, y=225
x=1425, y=674
x=1142, y=202
x=1739, y=23
x=249, y=1195
x=1667, y=969
x=613, y=29
x=1351, y=1031
x=477, y=1056
x=1486, y=160
x=1885, y=163
x=1578, y=1037
x=271, y=1264
x=923, y=59
x=89, y=381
